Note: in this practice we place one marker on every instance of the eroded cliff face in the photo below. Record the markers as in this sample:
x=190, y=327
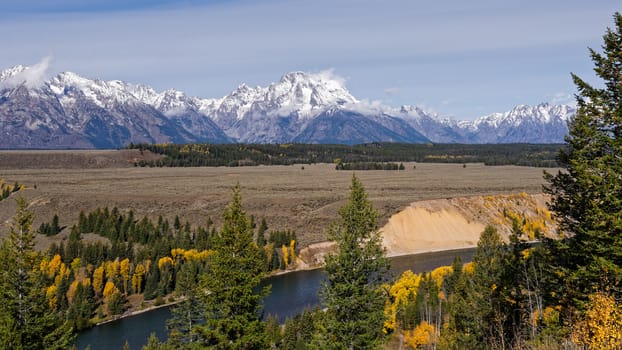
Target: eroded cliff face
x=452, y=223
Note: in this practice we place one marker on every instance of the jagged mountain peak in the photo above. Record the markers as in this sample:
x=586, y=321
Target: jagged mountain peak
x=11, y=72
x=300, y=106
x=541, y=113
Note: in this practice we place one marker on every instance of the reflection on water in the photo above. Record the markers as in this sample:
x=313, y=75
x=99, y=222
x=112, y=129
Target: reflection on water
x=290, y=294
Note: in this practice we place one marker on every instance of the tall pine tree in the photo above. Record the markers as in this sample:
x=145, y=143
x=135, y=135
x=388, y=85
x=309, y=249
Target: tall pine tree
x=587, y=194
x=229, y=288
x=353, y=294
x=25, y=320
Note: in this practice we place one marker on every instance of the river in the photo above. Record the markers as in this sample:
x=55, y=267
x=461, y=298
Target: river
x=291, y=293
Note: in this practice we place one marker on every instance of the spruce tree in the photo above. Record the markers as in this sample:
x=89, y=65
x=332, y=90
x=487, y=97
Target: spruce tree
x=586, y=196
x=25, y=320
x=229, y=288
x=353, y=293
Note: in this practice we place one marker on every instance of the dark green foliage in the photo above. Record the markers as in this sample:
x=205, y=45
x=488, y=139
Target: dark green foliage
x=475, y=314
x=187, y=313
x=281, y=238
x=25, y=320
x=116, y=304
x=261, y=233
x=298, y=331
x=266, y=154
x=152, y=284
x=353, y=295
x=587, y=194
x=228, y=288
x=50, y=229
x=82, y=309
x=368, y=166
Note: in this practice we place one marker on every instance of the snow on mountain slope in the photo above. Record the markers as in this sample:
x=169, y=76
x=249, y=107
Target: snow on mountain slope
x=69, y=110
x=542, y=123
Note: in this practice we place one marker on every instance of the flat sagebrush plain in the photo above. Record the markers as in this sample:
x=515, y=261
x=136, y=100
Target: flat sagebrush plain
x=304, y=198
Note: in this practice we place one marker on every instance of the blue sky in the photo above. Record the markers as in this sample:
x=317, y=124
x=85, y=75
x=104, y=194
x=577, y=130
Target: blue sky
x=458, y=58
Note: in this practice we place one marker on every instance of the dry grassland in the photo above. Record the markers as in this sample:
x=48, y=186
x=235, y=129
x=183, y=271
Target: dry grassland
x=289, y=197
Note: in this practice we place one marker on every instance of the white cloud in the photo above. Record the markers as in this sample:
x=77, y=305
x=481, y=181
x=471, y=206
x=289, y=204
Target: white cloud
x=367, y=107
x=562, y=98
x=32, y=77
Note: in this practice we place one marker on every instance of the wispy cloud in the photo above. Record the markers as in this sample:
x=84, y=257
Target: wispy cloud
x=562, y=98
x=32, y=77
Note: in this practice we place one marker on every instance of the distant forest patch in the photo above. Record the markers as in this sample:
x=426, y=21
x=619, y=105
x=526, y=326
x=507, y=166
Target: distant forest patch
x=193, y=155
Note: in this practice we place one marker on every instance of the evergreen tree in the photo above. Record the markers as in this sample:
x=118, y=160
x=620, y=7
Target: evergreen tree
x=352, y=294
x=187, y=313
x=26, y=321
x=228, y=289
x=587, y=194
x=261, y=233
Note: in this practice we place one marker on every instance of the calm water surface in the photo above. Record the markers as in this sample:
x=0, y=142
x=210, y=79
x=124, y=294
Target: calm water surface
x=290, y=294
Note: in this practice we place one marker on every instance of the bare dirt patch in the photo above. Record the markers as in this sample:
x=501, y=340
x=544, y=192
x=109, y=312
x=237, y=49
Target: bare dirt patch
x=289, y=197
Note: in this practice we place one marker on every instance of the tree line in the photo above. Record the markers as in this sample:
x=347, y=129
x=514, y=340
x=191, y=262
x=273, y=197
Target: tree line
x=190, y=155
x=561, y=293
x=369, y=166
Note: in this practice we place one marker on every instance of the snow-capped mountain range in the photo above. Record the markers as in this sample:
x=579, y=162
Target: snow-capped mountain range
x=70, y=111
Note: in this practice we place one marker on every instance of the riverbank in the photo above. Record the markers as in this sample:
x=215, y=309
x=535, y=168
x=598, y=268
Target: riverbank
x=424, y=227
x=290, y=294
x=133, y=312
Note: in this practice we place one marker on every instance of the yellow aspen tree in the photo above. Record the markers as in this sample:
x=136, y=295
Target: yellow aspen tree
x=43, y=266
x=111, y=298
x=292, y=250
x=285, y=255
x=110, y=289
x=75, y=264
x=165, y=261
x=405, y=287
x=115, y=267
x=71, y=292
x=421, y=336
x=98, y=280
x=138, y=278
x=50, y=294
x=601, y=325
x=124, y=270
x=54, y=265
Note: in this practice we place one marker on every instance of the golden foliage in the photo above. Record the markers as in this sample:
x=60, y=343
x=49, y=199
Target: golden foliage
x=50, y=294
x=468, y=268
x=601, y=325
x=124, y=269
x=405, y=287
x=180, y=255
x=164, y=261
x=439, y=274
x=71, y=292
x=54, y=266
x=75, y=264
x=285, y=255
x=137, y=278
x=292, y=250
x=98, y=279
x=422, y=335
x=110, y=289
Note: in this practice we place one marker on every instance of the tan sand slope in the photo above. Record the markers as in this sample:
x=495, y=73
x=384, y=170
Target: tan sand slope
x=455, y=223
x=418, y=229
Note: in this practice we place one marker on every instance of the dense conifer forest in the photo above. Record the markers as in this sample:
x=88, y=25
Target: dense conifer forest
x=540, y=155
